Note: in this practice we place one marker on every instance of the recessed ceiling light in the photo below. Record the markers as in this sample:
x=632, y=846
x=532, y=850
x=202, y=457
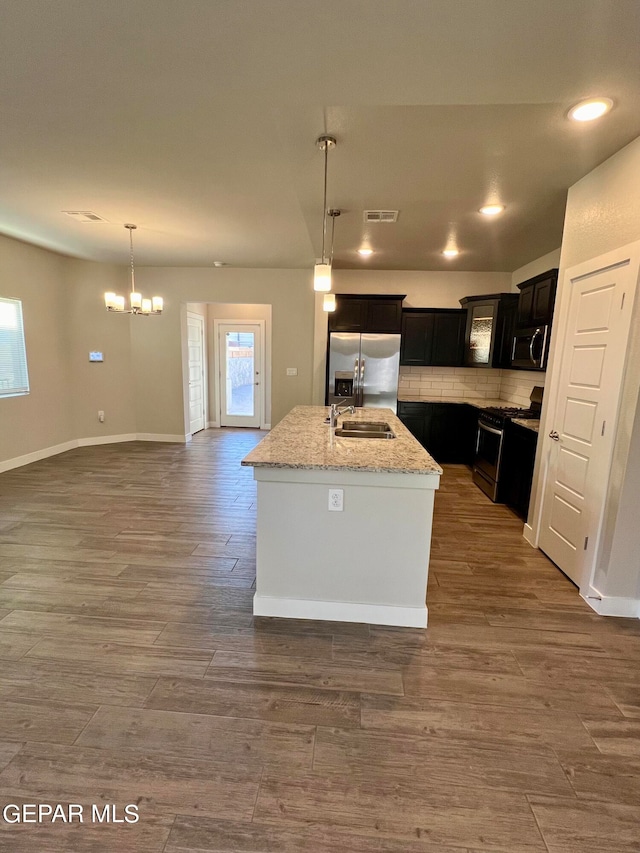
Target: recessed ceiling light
x=365, y=252
x=491, y=209
x=450, y=253
x=590, y=109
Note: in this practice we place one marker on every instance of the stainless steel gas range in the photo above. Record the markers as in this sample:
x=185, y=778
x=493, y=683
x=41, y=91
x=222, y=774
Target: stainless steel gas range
x=490, y=441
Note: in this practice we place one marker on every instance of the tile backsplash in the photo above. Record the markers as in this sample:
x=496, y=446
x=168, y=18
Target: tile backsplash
x=516, y=385
x=513, y=386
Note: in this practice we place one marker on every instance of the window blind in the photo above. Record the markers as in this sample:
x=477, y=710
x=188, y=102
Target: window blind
x=13, y=356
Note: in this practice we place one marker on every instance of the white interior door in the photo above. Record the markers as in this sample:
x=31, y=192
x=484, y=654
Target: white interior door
x=580, y=442
x=241, y=375
x=197, y=396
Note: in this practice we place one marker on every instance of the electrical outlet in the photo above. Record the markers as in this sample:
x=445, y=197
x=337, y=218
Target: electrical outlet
x=336, y=500
x=292, y=371
x=101, y=417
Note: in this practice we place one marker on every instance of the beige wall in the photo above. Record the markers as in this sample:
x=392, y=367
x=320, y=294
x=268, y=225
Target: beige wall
x=157, y=344
x=603, y=213
x=42, y=418
x=547, y=262
x=423, y=289
x=106, y=386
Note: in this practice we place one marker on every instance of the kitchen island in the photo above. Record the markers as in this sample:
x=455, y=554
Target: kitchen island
x=367, y=562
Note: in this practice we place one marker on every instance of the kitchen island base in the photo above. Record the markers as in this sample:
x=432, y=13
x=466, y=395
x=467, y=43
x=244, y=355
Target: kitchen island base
x=366, y=563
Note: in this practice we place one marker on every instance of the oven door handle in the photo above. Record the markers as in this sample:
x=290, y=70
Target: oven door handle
x=489, y=429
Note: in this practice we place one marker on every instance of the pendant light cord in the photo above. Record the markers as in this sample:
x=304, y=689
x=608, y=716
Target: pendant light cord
x=333, y=230
x=324, y=212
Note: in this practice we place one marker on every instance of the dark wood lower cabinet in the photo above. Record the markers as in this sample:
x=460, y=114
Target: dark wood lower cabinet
x=516, y=469
x=446, y=430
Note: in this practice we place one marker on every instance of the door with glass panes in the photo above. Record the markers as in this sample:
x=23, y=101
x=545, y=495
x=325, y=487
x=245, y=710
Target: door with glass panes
x=241, y=380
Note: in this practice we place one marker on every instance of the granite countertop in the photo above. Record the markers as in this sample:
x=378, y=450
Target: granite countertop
x=303, y=440
x=528, y=423
x=477, y=402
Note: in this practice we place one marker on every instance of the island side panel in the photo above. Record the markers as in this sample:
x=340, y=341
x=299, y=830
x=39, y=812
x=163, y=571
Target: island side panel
x=368, y=563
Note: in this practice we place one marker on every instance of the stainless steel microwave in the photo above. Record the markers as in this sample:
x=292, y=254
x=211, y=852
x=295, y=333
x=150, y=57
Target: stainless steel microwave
x=530, y=347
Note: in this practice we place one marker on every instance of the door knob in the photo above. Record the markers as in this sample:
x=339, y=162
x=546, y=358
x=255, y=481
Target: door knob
x=554, y=435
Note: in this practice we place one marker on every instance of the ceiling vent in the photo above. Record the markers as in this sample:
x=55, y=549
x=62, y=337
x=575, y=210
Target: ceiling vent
x=84, y=216
x=381, y=215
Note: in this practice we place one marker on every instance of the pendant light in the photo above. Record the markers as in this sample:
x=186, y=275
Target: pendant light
x=329, y=301
x=322, y=270
x=137, y=305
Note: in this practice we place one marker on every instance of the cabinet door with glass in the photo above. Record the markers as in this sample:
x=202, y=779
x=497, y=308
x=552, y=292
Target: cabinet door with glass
x=481, y=328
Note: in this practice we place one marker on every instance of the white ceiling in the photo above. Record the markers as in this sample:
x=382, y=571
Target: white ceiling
x=197, y=120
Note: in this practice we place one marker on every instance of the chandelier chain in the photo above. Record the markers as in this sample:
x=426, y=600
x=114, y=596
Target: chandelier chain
x=133, y=275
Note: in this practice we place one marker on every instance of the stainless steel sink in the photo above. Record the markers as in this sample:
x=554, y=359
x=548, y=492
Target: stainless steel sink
x=365, y=429
x=366, y=426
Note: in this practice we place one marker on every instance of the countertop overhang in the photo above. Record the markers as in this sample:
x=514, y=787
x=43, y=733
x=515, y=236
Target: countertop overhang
x=303, y=440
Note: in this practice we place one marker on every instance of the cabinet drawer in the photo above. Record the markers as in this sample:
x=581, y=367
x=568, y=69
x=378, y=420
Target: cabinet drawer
x=405, y=408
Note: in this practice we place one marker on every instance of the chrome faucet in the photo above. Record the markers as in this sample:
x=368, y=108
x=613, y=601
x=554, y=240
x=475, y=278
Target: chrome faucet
x=335, y=411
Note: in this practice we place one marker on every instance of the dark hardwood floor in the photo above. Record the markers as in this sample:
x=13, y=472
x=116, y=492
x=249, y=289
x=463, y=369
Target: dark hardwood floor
x=132, y=671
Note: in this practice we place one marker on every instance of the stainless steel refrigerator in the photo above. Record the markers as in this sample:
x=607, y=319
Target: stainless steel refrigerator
x=363, y=369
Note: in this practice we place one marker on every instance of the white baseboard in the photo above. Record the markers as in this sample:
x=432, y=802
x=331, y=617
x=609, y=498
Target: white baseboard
x=159, y=436
x=216, y=425
x=611, y=605
x=529, y=535
x=339, y=611
x=105, y=439
x=37, y=455
x=46, y=452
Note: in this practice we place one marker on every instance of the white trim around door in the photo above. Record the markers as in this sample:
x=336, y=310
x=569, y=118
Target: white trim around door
x=580, y=426
x=225, y=414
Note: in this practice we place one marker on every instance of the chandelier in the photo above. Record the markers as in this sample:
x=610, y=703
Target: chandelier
x=137, y=305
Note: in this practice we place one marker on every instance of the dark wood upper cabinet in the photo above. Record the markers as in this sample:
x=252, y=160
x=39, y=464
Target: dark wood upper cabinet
x=384, y=315
x=537, y=300
x=448, y=338
x=489, y=330
x=349, y=316
x=417, y=337
x=355, y=313
x=432, y=336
